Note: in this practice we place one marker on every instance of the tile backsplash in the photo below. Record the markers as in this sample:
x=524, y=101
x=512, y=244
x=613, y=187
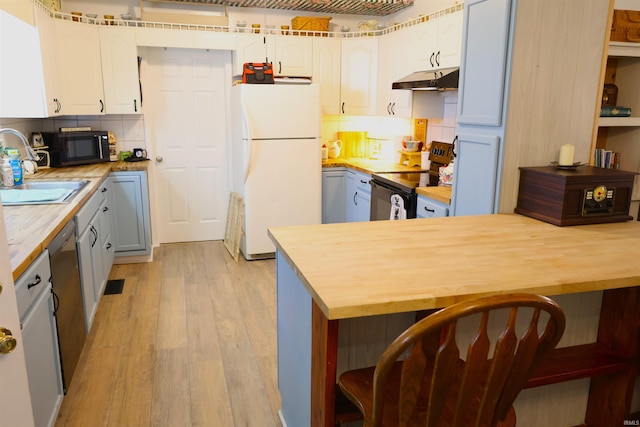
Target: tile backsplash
x=128, y=129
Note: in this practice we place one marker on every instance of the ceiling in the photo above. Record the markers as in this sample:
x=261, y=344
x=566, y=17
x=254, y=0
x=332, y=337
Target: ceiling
x=353, y=7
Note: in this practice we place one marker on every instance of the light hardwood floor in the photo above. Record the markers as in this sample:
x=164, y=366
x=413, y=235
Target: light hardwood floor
x=191, y=341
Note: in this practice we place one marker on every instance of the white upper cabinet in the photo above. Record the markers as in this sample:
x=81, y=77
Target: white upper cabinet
x=359, y=76
x=23, y=89
x=79, y=66
x=47, y=34
x=438, y=42
x=120, y=70
x=327, y=55
x=251, y=48
x=293, y=56
x=395, y=62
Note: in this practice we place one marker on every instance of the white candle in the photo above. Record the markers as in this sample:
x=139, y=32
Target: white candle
x=566, y=155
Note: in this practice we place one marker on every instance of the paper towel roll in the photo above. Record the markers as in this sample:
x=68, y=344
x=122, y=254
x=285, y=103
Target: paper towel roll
x=425, y=163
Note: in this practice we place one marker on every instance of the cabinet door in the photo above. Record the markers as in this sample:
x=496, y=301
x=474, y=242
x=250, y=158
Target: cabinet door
x=358, y=197
x=39, y=340
x=427, y=208
x=80, y=69
x=483, y=62
x=120, y=70
x=252, y=48
x=108, y=249
x=449, y=40
x=293, y=56
x=475, y=175
x=334, y=195
x=99, y=279
x=50, y=67
x=395, y=62
x=425, y=36
x=326, y=72
x=90, y=303
x=131, y=234
x=359, y=76
x=21, y=72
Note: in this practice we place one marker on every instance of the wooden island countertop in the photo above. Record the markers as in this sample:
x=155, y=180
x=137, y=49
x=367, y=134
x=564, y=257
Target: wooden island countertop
x=382, y=267
x=343, y=287
x=30, y=228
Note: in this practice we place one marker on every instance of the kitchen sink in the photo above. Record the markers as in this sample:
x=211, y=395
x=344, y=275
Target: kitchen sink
x=41, y=192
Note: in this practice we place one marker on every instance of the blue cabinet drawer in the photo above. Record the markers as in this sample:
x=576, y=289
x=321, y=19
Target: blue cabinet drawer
x=427, y=208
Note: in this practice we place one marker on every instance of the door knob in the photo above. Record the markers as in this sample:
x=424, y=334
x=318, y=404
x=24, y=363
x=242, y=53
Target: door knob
x=7, y=341
x=159, y=159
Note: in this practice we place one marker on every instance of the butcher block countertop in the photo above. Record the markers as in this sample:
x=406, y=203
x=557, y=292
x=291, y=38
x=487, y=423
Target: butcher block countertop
x=366, y=165
x=441, y=194
x=30, y=228
x=381, y=267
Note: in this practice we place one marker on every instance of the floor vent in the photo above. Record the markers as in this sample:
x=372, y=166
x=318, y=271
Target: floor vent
x=114, y=287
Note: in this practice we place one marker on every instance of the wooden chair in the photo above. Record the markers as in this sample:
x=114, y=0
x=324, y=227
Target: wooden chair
x=433, y=386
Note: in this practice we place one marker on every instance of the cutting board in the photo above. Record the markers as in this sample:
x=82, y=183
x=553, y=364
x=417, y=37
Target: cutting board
x=354, y=144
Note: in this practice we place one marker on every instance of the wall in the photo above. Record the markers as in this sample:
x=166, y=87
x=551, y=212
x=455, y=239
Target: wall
x=128, y=129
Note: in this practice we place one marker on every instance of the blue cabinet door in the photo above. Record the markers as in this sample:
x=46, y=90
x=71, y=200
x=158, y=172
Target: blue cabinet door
x=475, y=175
x=131, y=233
x=358, y=196
x=334, y=195
x=484, y=62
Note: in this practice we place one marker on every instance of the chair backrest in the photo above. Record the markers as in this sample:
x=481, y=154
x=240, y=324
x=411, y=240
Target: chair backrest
x=484, y=386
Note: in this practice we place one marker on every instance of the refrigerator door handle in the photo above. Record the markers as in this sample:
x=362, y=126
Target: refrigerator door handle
x=247, y=142
x=247, y=159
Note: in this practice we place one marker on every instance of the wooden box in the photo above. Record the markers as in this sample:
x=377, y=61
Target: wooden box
x=585, y=195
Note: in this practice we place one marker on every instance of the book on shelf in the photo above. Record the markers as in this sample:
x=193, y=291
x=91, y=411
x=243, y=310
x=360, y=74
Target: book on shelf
x=615, y=112
x=606, y=159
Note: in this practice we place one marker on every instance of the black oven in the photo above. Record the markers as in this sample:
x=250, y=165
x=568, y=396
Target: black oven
x=77, y=148
x=393, y=194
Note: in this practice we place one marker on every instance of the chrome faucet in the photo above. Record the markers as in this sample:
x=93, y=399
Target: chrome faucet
x=31, y=155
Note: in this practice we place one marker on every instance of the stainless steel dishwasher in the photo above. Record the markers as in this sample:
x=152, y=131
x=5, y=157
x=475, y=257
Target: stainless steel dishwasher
x=65, y=279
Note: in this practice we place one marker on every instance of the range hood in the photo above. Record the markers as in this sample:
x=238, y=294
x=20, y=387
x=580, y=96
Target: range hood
x=444, y=79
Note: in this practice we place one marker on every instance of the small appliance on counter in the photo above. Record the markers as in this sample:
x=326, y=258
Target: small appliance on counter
x=77, y=147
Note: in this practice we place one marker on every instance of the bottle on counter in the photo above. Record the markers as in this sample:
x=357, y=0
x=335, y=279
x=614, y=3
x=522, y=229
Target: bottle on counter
x=7, y=172
x=16, y=165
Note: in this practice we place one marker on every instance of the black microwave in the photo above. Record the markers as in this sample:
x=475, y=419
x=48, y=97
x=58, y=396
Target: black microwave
x=77, y=148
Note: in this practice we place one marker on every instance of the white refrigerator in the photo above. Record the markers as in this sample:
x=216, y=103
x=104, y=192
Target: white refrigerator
x=277, y=159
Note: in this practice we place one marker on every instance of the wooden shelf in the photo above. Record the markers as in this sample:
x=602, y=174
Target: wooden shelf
x=624, y=49
x=577, y=362
x=618, y=121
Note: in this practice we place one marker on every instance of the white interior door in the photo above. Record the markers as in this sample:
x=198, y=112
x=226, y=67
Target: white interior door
x=15, y=400
x=186, y=103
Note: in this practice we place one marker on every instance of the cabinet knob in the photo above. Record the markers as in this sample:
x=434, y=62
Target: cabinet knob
x=7, y=342
x=159, y=159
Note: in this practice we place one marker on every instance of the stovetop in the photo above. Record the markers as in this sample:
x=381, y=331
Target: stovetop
x=405, y=180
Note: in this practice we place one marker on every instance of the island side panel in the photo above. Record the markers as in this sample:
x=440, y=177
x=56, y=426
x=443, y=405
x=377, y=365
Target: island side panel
x=294, y=345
